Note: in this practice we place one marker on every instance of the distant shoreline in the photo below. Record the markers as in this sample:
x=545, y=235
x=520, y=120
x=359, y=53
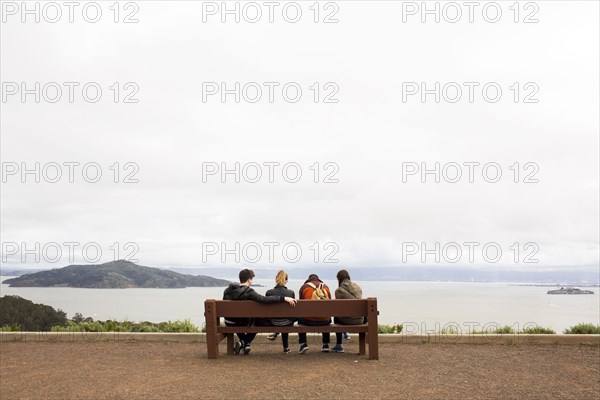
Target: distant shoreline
x=508, y=283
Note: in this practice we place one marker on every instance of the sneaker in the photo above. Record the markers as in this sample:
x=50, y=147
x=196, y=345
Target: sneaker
x=303, y=348
x=287, y=350
x=346, y=336
x=237, y=347
x=272, y=337
x=325, y=348
x=247, y=349
x=337, y=349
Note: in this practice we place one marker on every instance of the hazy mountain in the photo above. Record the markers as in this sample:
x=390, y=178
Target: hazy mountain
x=19, y=272
x=576, y=276
x=114, y=274
x=590, y=275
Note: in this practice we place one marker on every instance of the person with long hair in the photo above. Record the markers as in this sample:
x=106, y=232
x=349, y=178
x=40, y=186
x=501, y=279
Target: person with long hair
x=281, y=279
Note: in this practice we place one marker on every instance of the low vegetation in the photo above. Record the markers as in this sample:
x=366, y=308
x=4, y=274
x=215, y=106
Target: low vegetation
x=583, y=329
x=538, y=330
x=184, y=326
x=498, y=330
x=21, y=315
x=389, y=328
x=507, y=330
x=534, y=330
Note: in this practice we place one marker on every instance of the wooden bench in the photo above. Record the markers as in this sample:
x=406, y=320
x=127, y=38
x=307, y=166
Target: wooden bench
x=215, y=309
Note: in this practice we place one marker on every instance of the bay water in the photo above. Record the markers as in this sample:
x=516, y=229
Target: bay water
x=420, y=306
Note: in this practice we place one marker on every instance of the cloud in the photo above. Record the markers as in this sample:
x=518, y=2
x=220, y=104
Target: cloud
x=366, y=137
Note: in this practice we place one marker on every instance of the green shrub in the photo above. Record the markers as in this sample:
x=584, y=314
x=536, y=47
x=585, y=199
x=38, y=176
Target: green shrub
x=537, y=330
x=583, y=329
x=178, y=326
x=15, y=310
x=499, y=330
x=504, y=329
x=18, y=314
x=128, y=326
x=389, y=328
x=10, y=328
x=451, y=330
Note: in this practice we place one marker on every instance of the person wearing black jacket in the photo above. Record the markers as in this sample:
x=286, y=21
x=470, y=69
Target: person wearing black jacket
x=243, y=291
x=281, y=290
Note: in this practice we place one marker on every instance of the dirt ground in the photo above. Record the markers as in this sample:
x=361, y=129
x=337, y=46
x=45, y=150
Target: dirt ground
x=155, y=370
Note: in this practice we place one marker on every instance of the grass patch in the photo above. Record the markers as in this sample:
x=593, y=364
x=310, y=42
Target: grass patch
x=538, y=330
x=184, y=326
x=381, y=328
x=583, y=329
x=10, y=328
x=499, y=330
x=451, y=330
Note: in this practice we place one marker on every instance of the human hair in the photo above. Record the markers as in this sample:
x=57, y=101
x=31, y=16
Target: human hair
x=281, y=278
x=342, y=275
x=246, y=275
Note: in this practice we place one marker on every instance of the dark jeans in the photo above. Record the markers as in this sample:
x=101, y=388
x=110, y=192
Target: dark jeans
x=246, y=338
x=285, y=340
x=307, y=322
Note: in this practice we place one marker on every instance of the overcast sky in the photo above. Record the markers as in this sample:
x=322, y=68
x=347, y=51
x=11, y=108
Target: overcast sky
x=370, y=216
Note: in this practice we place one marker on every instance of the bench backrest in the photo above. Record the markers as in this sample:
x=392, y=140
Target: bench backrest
x=304, y=308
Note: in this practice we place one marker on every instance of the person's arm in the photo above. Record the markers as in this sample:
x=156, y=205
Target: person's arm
x=359, y=292
x=290, y=300
x=255, y=296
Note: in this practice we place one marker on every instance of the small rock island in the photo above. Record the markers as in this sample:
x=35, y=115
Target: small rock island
x=563, y=290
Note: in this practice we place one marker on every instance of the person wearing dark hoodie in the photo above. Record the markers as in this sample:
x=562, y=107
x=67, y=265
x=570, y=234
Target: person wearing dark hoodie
x=346, y=290
x=312, y=286
x=243, y=291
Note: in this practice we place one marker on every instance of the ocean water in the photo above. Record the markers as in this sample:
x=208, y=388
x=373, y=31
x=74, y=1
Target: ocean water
x=420, y=306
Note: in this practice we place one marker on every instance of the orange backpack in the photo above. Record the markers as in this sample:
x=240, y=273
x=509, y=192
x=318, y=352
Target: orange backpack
x=319, y=292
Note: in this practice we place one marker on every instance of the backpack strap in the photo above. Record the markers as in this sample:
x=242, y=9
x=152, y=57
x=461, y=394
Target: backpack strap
x=311, y=285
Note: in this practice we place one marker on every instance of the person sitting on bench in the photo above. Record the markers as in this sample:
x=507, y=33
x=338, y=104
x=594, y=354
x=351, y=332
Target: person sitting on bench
x=314, y=289
x=346, y=290
x=280, y=289
x=243, y=291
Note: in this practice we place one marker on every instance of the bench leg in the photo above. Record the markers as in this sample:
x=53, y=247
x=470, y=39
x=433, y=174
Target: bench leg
x=373, y=346
x=212, y=346
x=212, y=338
x=230, y=337
x=361, y=343
x=373, y=335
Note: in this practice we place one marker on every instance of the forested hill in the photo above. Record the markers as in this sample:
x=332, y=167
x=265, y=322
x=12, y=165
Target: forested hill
x=114, y=274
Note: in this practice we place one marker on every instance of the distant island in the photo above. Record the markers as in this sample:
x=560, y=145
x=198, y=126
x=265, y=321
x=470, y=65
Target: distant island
x=563, y=290
x=118, y=274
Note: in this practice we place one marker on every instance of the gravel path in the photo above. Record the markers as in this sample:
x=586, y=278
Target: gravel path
x=155, y=370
